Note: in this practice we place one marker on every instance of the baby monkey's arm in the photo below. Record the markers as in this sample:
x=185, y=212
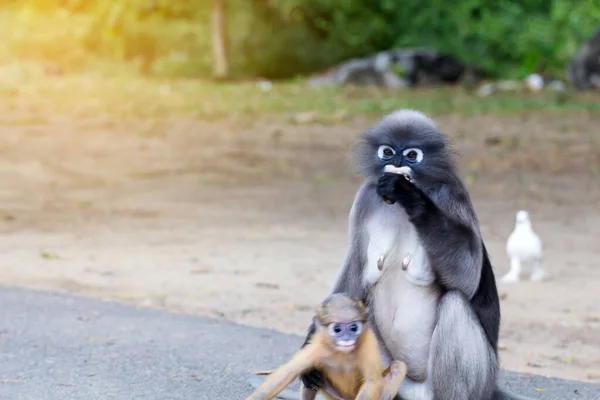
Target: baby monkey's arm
x=370, y=365
x=304, y=359
x=378, y=385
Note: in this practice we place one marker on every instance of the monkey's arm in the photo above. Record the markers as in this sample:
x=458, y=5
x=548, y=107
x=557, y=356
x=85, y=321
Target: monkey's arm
x=349, y=277
x=454, y=248
x=370, y=365
x=304, y=359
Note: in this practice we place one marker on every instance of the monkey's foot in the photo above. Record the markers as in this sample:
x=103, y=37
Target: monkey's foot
x=396, y=371
x=398, y=368
x=510, y=278
x=538, y=275
x=393, y=376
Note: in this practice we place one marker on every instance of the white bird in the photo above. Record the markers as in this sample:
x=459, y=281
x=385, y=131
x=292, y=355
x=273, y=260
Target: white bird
x=524, y=246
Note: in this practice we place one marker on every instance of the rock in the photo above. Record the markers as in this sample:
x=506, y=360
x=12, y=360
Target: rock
x=486, y=90
x=264, y=86
x=534, y=82
x=558, y=86
x=583, y=72
x=398, y=68
x=535, y=364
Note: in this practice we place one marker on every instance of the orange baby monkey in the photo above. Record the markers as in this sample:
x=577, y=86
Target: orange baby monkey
x=345, y=350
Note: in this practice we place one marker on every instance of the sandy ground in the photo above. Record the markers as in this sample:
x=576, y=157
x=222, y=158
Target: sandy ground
x=246, y=220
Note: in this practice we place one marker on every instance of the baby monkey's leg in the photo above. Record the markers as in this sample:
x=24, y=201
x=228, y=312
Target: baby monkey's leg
x=392, y=379
x=307, y=394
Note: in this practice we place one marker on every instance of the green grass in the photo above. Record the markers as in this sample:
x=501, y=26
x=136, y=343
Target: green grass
x=121, y=93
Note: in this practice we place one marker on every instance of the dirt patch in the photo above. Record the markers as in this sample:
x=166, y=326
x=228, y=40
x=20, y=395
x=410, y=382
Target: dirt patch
x=246, y=219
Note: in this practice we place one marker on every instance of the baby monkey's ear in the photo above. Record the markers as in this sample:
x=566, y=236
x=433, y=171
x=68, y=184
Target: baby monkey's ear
x=366, y=311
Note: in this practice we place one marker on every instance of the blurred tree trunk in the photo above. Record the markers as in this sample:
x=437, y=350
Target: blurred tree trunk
x=219, y=38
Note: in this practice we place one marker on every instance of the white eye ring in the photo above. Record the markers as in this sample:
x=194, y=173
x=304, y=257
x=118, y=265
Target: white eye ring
x=331, y=330
x=419, y=156
x=358, y=327
x=382, y=150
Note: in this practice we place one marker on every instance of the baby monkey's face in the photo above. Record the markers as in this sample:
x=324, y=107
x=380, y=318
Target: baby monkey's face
x=345, y=334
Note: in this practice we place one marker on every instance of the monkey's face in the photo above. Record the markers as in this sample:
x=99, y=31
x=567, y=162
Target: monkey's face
x=410, y=141
x=344, y=335
x=341, y=319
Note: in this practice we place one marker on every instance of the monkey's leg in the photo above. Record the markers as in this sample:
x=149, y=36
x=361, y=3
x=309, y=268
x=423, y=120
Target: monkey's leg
x=514, y=273
x=392, y=379
x=462, y=364
x=304, y=359
x=307, y=394
x=537, y=272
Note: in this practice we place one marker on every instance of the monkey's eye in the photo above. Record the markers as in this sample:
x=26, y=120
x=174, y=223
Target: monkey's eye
x=334, y=329
x=356, y=327
x=413, y=154
x=385, y=152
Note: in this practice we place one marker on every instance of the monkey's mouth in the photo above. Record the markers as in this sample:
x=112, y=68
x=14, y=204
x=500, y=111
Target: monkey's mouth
x=345, y=347
x=404, y=171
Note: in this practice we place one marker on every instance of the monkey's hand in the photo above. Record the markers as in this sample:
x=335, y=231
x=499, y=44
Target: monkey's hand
x=395, y=188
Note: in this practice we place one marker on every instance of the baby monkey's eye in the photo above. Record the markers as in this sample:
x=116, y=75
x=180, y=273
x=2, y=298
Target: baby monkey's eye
x=334, y=329
x=385, y=152
x=356, y=327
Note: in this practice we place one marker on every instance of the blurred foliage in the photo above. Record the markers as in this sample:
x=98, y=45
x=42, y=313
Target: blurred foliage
x=284, y=38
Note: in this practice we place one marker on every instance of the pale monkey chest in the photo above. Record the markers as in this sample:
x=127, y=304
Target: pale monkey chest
x=404, y=301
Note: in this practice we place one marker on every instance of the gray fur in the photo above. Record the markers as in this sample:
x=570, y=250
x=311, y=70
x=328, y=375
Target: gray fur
x=583, y=71
x=438, y=179
x=421, y=316
x=458, y=328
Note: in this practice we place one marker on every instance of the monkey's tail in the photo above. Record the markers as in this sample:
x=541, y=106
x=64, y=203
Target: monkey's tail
x=501, y=394
x=285, y=394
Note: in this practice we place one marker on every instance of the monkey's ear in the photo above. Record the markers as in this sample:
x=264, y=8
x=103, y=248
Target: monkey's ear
x=360, y=304
x=319, y=312
x=316, y=318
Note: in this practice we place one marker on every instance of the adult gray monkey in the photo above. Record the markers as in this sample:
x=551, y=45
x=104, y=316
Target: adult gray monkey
x=416, y=257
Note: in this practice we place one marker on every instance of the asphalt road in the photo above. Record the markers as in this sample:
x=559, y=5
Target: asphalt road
x=60, y=347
